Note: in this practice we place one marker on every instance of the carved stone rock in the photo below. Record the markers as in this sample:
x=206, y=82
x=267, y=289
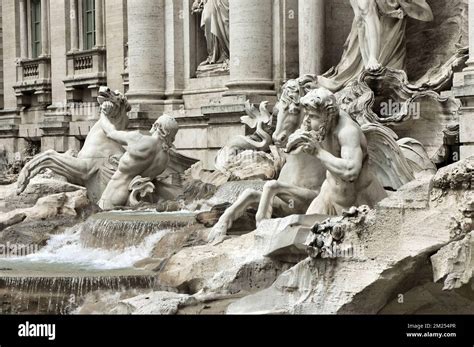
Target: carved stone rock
x=384, y=255
x=455, y=263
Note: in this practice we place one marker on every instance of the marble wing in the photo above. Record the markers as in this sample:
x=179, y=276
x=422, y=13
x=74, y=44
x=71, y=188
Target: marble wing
x=387, y=160
x=416, y=156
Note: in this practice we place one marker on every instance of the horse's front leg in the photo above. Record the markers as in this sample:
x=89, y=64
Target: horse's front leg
x=248, y=199
x=293, y=195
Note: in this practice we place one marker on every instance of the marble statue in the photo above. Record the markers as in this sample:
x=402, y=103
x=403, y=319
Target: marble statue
x=146, y=156
x=97, y=161
x=338, y=142
x=294, y=189
x=246, y=157
x=288, y=108
x=215, y=23
x=386, y=97
x=377, y=39
x=382, y=165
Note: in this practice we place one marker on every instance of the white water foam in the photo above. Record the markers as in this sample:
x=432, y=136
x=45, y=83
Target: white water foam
x=67, y=249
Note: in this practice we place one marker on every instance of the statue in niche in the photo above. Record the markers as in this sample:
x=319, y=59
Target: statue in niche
x=215, y=23
x=377, y=39
x=339, y=143
x=146, y=157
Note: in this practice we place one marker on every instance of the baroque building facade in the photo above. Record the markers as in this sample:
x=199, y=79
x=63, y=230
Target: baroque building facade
x=58, y=53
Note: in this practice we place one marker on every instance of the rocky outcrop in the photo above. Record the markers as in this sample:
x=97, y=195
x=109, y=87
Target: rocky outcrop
x=235, y=266
x=455, y=263
x=391, y=251
x=40, y=186
x=49, y=207
x=157, y=303
x=33, y=226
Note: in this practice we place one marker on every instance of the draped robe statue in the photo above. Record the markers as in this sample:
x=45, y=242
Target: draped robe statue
x=215, y=23
x=377, y=39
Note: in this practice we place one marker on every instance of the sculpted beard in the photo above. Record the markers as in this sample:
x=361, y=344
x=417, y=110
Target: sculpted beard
x=319, y=135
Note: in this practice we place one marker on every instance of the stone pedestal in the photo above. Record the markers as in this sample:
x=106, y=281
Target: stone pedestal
x=223, y=124
x=251, y=49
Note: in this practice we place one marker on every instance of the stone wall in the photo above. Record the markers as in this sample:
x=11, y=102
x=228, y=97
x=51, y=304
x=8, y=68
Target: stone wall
x=116, y=39
x=10, y=50
x=339, y=18
x=1, y=58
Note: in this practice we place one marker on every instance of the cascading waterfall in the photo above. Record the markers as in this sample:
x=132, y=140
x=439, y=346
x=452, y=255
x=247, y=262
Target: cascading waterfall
x=61, y=295
x=69, y=248
x=119, y=230
x=97, y=255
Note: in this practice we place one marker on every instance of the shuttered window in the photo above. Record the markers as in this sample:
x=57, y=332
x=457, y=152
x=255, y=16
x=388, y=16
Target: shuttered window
x=89, y=24
x=36, y=28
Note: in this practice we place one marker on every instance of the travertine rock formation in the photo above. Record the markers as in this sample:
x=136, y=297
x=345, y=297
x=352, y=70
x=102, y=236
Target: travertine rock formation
x=394, y=244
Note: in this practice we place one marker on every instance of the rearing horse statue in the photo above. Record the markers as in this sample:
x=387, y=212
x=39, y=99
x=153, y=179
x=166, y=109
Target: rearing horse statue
x=96, y=162
x=302, y=175
x=300, y=179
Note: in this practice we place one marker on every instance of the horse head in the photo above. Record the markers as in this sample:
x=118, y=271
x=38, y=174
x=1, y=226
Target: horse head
x=290, y=116
x=114, y=105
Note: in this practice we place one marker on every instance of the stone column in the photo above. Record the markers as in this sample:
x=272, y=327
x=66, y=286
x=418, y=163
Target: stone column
x=23, y=30
x=146, y=40
x=174, y=54
x=99, y=23
x=44, y=28
x=470, y=62
x=74, y=27
x=251, y=48
x=311, y=36
x=464, y=90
